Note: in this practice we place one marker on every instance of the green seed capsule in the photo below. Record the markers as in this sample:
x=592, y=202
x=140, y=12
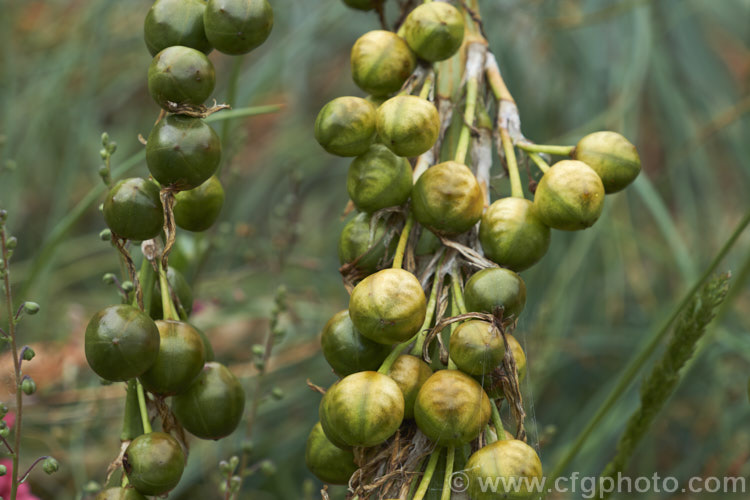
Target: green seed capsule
x=237, y=26
x=133, y=209
x=358, y=242
x=476, y=347
x=379, y=179
x=346, y=126
x=381, y=62
x=570, y=196
x=434, y=30
x=197, y=209
x=176, y=22
x=326, y=461
x=408, y=125
x=180, y=359
x=346, y=350
x=410, y=373
x=496, y=287
x=154, y=463
x=180, y=75
x=504, y=463
x=612, y=157
x=127, y=493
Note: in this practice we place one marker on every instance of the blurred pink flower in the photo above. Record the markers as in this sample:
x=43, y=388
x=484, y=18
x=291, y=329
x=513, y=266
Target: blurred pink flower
x=24, y=491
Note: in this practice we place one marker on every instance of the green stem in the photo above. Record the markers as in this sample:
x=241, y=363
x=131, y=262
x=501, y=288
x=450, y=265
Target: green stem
x=132, y=426
x=627, y=375
x=427, y=86
x=543, y=165
x=398, y=259
x=449, y=459
x=166, y=299
x=428, y=473
x=458, y=293
x=146, y=278
x=497, y=422
x=516, y=190
x=143, y=409
x=471, y=104
x=547, y=148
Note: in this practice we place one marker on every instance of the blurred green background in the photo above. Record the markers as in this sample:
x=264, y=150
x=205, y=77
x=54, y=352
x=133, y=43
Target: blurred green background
x=671, y=75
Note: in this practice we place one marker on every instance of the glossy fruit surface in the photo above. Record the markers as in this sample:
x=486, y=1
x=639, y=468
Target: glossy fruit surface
x=358, y=242
x=154, y=463
x=512, y=235
x=362, y=409
x=389, y=306
x=496, y=287
x=447, y=198
x=176, y=22
x=379, y=179
x=346, y=350
x=208, y=349
x=410, y=373
x=133, y=209
x=570, y=196
x=182, y=294
x=211, y=408
x=476, y=347
x=345, y=126
x=434, y=30
x=121, y=343
x=518, y=355
x=197, y=209
x=381, y=62
x=511, y=464
x=237, y=26
x=326, y=461
x=181, y=358
x=408, y=124
x=182, y=152
x=127, y=493
x=451, y=408
x=180, y=75
x=612, y=157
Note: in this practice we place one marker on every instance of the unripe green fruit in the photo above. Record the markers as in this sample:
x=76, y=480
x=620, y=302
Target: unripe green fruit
x=180, y=75
x=512, y=235
x=360, y=4
x=447, y=198
x=518, y=356
x=410, y=373
x=197, y=209
x=612, y=157
x=381, y=62
x=408, y=124
x=237, y=26
x=389, y=306
x=180, y=289
x=208, y=349
x=451, y=408
x=154, y=463
x=362, y=409
x=358, y=242
x=496, y=287
x=346, y=126
x=326, y=461
x=476, y=347
x=182, y=152
x=570, y=196
x=211, y=408
x=176, y=22
x=133, y=209
x=492, y=382
x=180, y=360
x=121, y=343
x=127, y=493
x=346, y=350
x=434, y=30
x=504, y=463
x=379, y=179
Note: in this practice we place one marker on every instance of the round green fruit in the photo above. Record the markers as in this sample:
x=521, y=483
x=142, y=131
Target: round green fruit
x=346, y=350
x=211, y=408
x=208, y=349
x=180, y=75
x=451, y=408
x=434, y=30
x=447, y=198
x=496, y=287
x=476, y=347
x=182, y=152
x=180, y=360
x=570, y=196
x=410, y=373
x=408, y=124
x=360, y=4
x=512, y=235
x=197, y=209
x=326, y=461
x=492, y=382
x=612, y=157
x=381, y=62
x=126, y=493
x=154, y=463
x=176, y=22
x=121, y=343
x=362, y=409
x=505, y=463
x=346, y=126
x=361, y=244
x=379, y=179
x=237, y=26
x=518, y=356
x=133, y=209
x=182, y=294
x=389, y=306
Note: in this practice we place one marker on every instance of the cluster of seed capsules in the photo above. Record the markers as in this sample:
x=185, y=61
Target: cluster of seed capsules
x=390, y=388
x=153, y=343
